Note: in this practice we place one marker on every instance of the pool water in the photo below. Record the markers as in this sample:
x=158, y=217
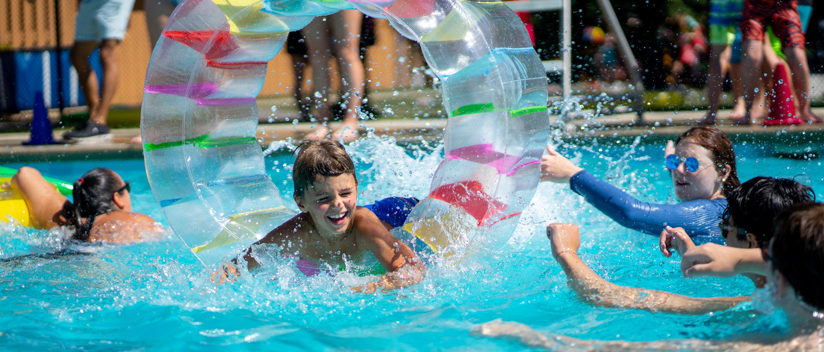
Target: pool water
x=157, y=296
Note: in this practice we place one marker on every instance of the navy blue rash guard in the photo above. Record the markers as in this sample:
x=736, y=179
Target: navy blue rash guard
x=700, y=218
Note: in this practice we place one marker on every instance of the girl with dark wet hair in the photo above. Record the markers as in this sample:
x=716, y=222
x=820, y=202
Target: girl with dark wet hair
x=101, y=212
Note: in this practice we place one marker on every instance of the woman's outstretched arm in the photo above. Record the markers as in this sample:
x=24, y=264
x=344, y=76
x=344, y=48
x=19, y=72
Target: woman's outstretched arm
x=47, y=207
x=699, y=217
x=593, y=289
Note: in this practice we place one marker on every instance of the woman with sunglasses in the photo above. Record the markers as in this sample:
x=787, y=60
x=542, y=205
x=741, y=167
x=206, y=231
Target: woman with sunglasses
x=702, y=167
x=101, y=212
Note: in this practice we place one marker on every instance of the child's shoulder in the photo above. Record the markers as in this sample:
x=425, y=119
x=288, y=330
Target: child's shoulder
x=365, y=222
x=365, y=214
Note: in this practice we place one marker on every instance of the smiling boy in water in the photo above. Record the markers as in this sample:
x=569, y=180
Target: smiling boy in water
x=331, y=227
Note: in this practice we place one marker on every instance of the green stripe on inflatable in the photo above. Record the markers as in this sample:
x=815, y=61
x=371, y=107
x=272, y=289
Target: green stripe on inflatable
x=155, y=146
x=527, y=110
x=225, y=142
x=473, y=109
x=202, y=142
x=490, y=107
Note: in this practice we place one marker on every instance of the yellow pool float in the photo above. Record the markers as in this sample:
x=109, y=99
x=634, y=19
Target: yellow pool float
x=12, y=205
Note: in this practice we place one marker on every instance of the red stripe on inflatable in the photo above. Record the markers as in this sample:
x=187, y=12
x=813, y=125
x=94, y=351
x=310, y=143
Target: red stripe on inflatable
x=212, y=44
x=470, y=196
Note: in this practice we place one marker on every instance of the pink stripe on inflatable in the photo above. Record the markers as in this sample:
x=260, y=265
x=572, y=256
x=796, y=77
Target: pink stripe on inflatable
x=194, y=91
x=487, y=155
x=412, y=8
x=225, y=102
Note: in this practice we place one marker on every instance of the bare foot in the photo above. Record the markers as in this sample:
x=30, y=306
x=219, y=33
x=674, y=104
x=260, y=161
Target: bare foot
x=758, y=113
x=347, y=133
x=136, y=140
x=739, y=110
x=809, y=117
x=746, y=121
x=708, y=120
x=319, y=133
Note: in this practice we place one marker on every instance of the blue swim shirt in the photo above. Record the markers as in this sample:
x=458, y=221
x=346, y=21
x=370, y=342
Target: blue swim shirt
x=393, y=210
x=700, y=218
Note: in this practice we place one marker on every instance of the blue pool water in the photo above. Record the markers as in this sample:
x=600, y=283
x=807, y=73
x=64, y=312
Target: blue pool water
x=156, y=295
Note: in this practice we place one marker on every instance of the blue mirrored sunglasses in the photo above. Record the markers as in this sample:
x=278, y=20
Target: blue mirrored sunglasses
x=691, y=164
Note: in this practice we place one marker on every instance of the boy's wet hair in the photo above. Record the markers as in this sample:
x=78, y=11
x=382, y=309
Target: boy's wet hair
x=322, y=157
x=93, y=196
x=797, y=251
x=717, y=142
x=754, y=205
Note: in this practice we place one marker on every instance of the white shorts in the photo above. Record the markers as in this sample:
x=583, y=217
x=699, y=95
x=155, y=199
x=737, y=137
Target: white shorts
x=102, y=19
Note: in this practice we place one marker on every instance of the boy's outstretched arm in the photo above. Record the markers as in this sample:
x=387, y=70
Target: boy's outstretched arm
x=711, y=259
x=594, y=290
x=403, y=267
x=279, y=235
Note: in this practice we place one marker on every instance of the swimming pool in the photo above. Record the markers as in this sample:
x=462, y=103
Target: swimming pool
x=157, y=296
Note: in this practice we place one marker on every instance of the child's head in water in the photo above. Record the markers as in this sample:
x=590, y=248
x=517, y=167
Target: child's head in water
x=325, y=185
x=716, y=174
x=797, y=254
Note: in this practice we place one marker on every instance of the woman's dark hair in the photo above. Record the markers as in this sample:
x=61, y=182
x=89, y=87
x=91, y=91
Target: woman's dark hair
x=93, y=195
x=797, y=251
x=719, y=144
x=754, y=205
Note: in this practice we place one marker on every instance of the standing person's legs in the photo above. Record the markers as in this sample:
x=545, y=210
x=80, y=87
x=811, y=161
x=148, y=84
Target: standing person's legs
x=715, y=81
x=753, y=19
x=102, y=22
x=157, y=13
x=797, y=60
x=751, y=67
x=316, y=34
x=111, y=76
x=788, y=28
x=296, y=47
x=79, y=57
x=738, y=110
x=346, y=26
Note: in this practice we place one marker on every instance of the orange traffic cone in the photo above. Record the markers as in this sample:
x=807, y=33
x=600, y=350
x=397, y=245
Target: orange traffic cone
x=782, y=108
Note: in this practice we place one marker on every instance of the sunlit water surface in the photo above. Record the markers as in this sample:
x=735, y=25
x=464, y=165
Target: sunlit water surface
x=156, y=295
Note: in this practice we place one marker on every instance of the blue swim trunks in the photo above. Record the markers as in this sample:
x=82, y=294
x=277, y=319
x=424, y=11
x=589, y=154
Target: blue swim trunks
x=102, y=19
x=393, y=210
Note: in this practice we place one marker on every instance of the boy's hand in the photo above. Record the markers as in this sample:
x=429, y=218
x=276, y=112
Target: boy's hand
x=564, y=238
x=372, y=287
x=675, y=238
x=410, y=274
x=556, y=168
x=709, y=260
x=226, y=273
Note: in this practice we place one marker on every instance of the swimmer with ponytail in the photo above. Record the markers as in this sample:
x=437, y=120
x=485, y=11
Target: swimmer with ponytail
x=101, y=211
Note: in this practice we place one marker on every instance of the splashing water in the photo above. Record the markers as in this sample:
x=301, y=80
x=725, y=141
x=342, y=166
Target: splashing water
x=56, y=294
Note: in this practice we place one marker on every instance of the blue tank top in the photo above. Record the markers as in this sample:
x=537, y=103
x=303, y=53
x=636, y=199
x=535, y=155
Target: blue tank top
x=700, y=218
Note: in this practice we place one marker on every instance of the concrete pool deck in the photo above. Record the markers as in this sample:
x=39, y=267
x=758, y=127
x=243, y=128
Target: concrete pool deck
x=657, y=125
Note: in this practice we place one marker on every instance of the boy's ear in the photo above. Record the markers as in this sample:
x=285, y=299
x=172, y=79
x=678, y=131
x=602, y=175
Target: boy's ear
x=752, y=242
x=299, y=202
